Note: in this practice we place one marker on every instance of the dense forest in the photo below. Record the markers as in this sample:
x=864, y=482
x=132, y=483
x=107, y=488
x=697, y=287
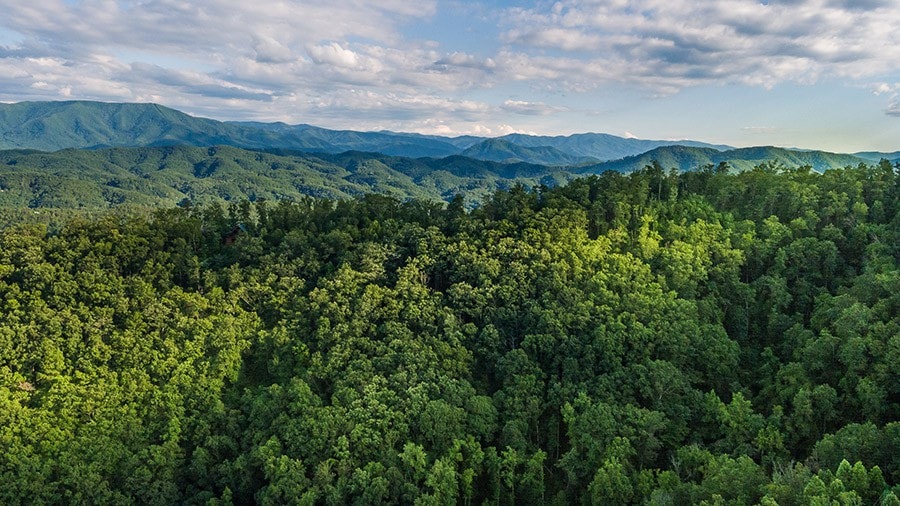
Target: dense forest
x=164, y=176
x=653, y=338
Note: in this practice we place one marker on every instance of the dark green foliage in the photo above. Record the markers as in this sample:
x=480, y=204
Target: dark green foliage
x=651, y=338
x=165, y=176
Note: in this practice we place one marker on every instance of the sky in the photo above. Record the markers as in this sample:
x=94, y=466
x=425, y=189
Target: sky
x=815, y=74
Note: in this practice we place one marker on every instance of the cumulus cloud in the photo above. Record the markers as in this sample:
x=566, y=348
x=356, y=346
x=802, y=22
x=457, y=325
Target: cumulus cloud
x=206, y=33
x=47, y=78
x=893, y=108
x=270, y=50
x=672, y=44
x=893, y=92
x=882, y=88
x=333, y=54
x=217, y=55
x=208, y=26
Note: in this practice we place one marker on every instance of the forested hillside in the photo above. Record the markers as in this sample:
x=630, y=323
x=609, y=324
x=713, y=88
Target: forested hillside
x=501, y=150
x=165, y=176
x=651, y=338
x=51, y=126
x=684, y=158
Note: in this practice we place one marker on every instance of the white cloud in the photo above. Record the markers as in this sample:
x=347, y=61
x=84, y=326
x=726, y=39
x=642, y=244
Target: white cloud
x=456, y=129
x=464, y=60
x=568, y=39
x=221, y=55
x=671, y=44
x=893, y=108
x=893, y=92
x=882, y=88
x=333, y=54
x=270, y=50
x=209, y=26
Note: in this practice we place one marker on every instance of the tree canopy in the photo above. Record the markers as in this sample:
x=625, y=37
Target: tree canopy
x=651, y=338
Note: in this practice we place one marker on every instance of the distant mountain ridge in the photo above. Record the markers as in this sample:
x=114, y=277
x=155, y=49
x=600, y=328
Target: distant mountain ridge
x=51, y=126
x=603, y=147
x=685, y=158
x=874, y=156
x=312, y=138
x=503, y=150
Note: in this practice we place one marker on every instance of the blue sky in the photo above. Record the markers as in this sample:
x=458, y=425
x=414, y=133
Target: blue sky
x=818, y=74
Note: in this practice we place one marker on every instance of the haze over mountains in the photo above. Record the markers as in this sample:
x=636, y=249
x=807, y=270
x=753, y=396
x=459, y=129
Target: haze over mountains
x=92, y=154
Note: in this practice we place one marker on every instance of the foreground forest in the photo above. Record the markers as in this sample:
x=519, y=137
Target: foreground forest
x=652, y=338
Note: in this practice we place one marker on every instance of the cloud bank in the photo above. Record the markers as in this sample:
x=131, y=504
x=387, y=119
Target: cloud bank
x=352, y=63
x=667, y=45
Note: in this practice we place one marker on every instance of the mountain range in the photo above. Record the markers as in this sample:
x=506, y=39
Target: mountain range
x=51, y=126
x=739, y=159
x=94, y=155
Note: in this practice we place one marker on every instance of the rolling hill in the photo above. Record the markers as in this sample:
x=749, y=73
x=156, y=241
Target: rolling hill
x=502, y=150
x=688, y=158
x=51, y=126
x=164, y=176
x=875, y=156
x=602, y=147
x=337, y=141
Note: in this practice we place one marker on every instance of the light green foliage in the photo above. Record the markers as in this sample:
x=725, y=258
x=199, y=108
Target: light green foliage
x=652, y=338
x=611, y=484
